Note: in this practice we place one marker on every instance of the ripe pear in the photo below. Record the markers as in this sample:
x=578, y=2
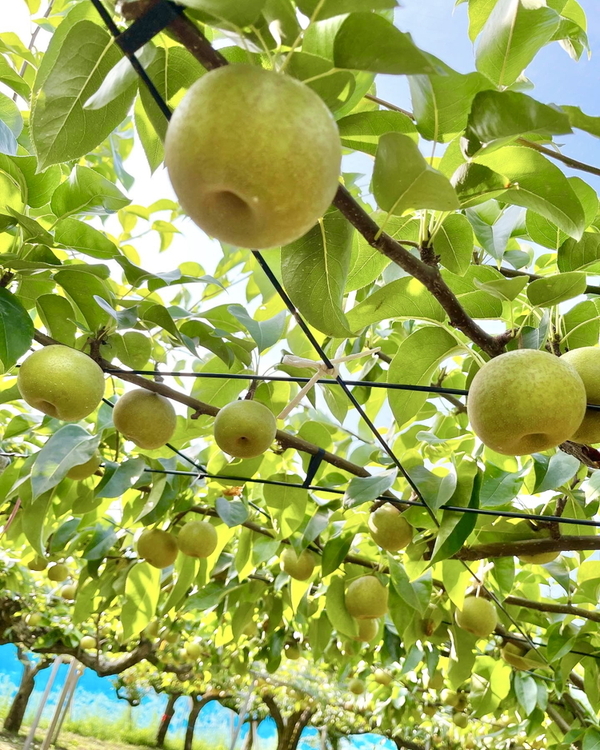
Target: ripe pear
x=300, y=567
x=69, y=592
x=88, y=642
x=382, y=677
x=147, y=419
x=460, y=719
x=197, y=539
x=367, y=630
x=356, y=686
x=245, y=429
x=38, y=564
x=193, y=649
x=86, y=469
x=157, y=547
x=478, y=616
x=366, y=598
x=389, y=529
x=58, y=572
x=61, y=382
x=526, y=401
x=586, y=361
x=254, y=156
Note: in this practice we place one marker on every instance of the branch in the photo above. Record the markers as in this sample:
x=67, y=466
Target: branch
x=573, y=163
x=103, y=666
x=269, y=701
x=563, y=609
x=511, y=273
x=529, y=547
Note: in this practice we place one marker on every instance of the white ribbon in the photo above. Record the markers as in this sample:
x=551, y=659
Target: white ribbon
x=322, y=371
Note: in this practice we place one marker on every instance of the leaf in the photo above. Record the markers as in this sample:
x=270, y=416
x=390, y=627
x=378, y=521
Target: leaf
x=231, y=512
x=123, y=476
x=415, y=361
x=232, y=11
x=591, y=739
x=366, y=489
x=334, y=552
x=561, y=468
x=582, y=121
x=266, y=333
x=82, y=288
x=58, y=317
x=287, y=504
x=503, y=289
x=142, y=589
x=403, y=298
x=538, y=185
x=335, y=607
x=403, y=179
x=526, y=692
x=16, y=329
x=133, y=348
x=401, y=582
x=366, y=41
x=314, y=270
x=186, y=569
x=330, y=8
x=86, y=191
x=582, y=325
x=366, y=264
x=441, y=102
x=61, y=128
x=557, y=288
x=454, y=243
x=499, y=487
x=361, y=131
x=475, y=184
x=69, y=446
x=456, y=527
x=573, y=255
x=499, y=116
x=120, y=79
x=33, y=516
x=84, y=238
x=511, y=37
x=159, y=315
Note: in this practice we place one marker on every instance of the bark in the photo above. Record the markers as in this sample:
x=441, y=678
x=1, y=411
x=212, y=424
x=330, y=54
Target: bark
x=289, y=730
x=198, y=703
x=16, y=713
x=166, y=719
x=249, y=741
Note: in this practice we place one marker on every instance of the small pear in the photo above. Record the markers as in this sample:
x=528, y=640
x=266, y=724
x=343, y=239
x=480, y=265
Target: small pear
x=478, y=616
x=88, y=642
x=157, y=547
x=146, y=418
x=366, y=598
x=356, y=686
x=86, y=469
x=197, y=539
x=299, y=567
x=245, y=429
x=389, y=529
x=367, y=630
x=58, y=572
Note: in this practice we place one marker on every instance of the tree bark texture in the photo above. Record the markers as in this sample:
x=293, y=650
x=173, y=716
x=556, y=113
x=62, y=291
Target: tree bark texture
x=16, y=713
x=166, y=719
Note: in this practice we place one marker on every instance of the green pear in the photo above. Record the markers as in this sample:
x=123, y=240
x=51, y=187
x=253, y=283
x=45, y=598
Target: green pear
x=69, y=592
x=254, y=156
x=33, y=619
x=389, y=529
x=61, y=382
x=382, y=677
x=197, y=539
x=86, y=469
x=477, y=616
x=38, y=564
x=58, y=572
x=356, y=686
x=245, y=429
x=436, y=681
x=526, y=401
x=88, y=642
x=157, y=547
x=367, y=598
x=193, y=649
x=586, y=361
x=151, y=630
x=146, y=418
x=449, y=698
x=293, y=651
x=367, y=630
x=460, y=719
x=296, y=566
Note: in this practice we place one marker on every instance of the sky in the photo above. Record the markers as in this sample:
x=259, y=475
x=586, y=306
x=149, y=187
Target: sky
x=438, y=28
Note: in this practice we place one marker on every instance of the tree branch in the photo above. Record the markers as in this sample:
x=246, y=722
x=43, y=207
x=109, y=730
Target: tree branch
x=563, y=609
x=529, y=547
x=511, y=273
x=567, y=160
x=269, y=702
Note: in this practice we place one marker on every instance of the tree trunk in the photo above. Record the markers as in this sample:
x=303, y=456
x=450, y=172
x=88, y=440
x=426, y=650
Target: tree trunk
x=16, y=713
x=249, y=741
x=198, y=703
x=166, y=719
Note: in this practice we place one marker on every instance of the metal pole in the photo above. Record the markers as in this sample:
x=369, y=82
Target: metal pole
x=242, y=715
x=42, y=704
x=63, y=716
x=59, y=705
x=254, y=730
x=323, y=734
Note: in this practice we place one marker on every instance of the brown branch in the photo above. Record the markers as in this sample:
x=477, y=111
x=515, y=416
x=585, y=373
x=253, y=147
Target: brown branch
x=567, y=160
x=269, y=701
x=103, y=666
x=562, y=609
x=511, y=273
x=529, y=547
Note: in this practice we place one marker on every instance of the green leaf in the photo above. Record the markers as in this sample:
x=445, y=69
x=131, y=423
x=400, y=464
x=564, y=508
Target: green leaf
x=232, y=11
x=335, y=552
x=186, y=569
x=526, y=692
x=441, y=102
x=366, y=41
x=314, y=270
x=503, y=289
x=133, y=348
x=538, y=185
x=335, y=607
x=454, y=243
x=120, y=477
x=287, y=504
x=582, y=325
x=476, y=184
x=361, y=131
x=86, y=191
x=82, y=237
x=81, y=289
x=591, y=739
x=69, y=446
x=16, y=329
x=58, y=317
x=585, y=253
x=366, y=489
x=512, y=36
x=403, y=179
x=39, y=185
x=404, y=588
x=119, y=80
x=544, y=232
x=500, y=116
x=366, y=264
x=558, y=288
x=33, y=517
x=560, y=469
x=456, y=527
x=414, y=364
x=142, y=589
x=499, y=487
x=159, y=315
x=403, y=298
x=330, y=8
x=581, y=121
x=231, y=512
x=337, y=88
x=61, y=128
x=265, y=333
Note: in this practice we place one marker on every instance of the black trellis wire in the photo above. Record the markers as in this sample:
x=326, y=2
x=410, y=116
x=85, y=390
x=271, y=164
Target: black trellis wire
x=139, y=34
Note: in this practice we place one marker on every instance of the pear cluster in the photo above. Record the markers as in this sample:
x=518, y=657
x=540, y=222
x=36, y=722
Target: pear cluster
x=527, y=400
x=160, y=548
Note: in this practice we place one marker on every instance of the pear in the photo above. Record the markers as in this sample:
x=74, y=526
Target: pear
x=389, y=529
x=299, y=567
x=292, y=651
x=382, y=677
x=197, y=539
x=61, y=382
x=86, y=469
x=449, y=698
x=146, y=418
x=526, y=401
x=38, y=564
x=460, y=719
x=58, y=572
x=366, y=598
x=478, y=616
x=157, y=547
x=586, y=361
x=33, y=619
x=356, y=686
x=68, y=592
x=253, y=155
x=245, y=429
x=88, y=642
x=193, y=649
x=367, y=630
